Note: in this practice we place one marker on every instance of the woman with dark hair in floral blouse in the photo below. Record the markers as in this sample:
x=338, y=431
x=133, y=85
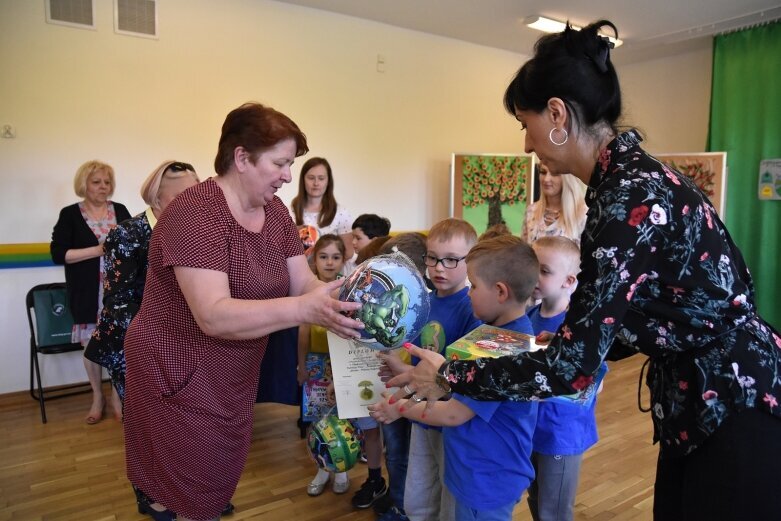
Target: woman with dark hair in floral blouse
x=659, y=275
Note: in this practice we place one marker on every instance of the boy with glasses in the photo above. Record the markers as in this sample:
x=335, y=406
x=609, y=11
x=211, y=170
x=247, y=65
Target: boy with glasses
x=487, y=444
x=450, y=318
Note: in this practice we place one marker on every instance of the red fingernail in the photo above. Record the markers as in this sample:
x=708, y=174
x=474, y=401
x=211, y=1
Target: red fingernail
x=392, y=400
x=387, y=386
x=401, y=409
x=407, y=345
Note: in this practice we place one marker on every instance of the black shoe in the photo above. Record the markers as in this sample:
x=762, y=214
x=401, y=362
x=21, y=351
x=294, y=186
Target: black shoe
x=382, y=505
x=370, y=491
x=144, y=503
x=167, y=515
x=228, y=510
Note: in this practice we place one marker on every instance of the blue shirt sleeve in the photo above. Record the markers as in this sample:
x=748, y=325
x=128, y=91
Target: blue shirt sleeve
x=483, y=410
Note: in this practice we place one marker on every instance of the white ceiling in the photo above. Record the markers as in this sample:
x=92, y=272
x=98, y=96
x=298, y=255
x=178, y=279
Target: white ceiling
x=650, y=29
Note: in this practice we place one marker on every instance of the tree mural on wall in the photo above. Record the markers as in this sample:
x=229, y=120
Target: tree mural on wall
x=494, y=181
x=706, y=169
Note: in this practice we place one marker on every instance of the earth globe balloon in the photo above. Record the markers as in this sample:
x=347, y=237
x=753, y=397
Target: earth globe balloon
x=394, y=298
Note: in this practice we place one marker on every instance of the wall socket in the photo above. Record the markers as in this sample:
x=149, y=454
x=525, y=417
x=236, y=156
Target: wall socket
x=7, y=132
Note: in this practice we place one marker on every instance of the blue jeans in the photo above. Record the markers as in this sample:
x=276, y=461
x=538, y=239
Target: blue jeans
x=465, y=513
x=396, y=436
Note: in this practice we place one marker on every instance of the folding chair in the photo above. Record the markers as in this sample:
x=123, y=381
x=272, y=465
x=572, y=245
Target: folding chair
x=50, y=324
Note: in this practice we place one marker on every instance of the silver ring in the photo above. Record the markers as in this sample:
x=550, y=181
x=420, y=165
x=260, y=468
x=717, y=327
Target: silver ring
x=407, y=390
x=417, y=399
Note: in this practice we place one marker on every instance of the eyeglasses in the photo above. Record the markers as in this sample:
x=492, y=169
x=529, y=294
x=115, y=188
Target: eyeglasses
x=180, y=167
x=448, y=262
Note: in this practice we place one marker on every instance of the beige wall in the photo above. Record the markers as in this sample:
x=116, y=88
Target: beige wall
x=77, y=94
x=73, y=95
x=669, y=100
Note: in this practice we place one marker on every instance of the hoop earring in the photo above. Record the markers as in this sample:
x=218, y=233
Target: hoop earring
x=566, y=136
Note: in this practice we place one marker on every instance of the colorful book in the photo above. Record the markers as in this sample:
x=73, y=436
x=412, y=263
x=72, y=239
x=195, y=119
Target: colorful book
x=315, y=390
x=490, y=342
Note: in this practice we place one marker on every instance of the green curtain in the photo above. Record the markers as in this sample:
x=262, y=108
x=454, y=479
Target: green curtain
x=745, y=121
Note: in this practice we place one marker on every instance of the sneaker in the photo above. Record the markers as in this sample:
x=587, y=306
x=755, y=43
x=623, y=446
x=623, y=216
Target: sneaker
x=370, y=491
x=394, y=514
x=382, y=505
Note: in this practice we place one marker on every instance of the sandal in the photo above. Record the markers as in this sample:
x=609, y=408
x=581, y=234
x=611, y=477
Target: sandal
x=92, y=418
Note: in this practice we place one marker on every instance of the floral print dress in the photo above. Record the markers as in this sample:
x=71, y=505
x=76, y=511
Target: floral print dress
x=125, y=258
x=659, y=275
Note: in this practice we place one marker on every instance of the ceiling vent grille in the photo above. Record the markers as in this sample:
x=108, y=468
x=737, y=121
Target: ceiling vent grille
x=73, y=13
x=136, y=18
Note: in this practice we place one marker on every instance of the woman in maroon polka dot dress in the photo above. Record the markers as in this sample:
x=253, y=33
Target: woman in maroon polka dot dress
x=226, y=268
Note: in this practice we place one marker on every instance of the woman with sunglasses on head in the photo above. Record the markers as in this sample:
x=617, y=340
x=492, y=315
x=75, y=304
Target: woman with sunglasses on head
x=77, y=242
x=226, y=269
x=125, y=260
x=659, y=275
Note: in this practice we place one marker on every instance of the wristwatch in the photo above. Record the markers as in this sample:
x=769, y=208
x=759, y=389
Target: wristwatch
x=441, y=378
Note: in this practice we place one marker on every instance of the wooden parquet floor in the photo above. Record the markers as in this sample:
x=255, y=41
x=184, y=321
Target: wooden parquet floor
x=67, y=470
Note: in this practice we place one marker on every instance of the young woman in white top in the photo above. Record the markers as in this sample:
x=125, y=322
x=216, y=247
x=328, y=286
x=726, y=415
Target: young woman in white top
x=316, y=206
x=561, y=209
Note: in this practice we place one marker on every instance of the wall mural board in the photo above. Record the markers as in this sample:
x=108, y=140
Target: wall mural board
x=487, y=189
x=708, y=170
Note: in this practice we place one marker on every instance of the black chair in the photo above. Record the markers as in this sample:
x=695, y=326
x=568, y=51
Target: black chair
x=48, y=313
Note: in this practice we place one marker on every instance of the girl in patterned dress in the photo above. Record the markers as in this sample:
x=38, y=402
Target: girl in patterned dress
x=329, y=261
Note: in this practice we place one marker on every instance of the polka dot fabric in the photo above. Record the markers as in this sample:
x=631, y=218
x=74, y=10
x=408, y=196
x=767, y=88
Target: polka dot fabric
x=189, y=397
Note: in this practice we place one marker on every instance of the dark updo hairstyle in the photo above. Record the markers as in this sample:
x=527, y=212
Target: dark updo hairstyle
x=372, y=225
x=574, y=66
x=256, y=128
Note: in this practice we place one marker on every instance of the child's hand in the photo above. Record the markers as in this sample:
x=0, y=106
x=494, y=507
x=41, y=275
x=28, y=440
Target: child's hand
x=543, y=338
x=391, y=366
x=383, y=411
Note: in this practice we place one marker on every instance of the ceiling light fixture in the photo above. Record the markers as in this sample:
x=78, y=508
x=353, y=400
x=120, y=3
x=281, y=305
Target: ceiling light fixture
x=549, y=25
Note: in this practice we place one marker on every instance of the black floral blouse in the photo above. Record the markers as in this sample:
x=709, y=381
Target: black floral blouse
x=125, y=259
x=659, y=275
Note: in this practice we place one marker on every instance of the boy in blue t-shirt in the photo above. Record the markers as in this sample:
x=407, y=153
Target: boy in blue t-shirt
x=487, y=444
x=564, y=431
x=450, y=318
